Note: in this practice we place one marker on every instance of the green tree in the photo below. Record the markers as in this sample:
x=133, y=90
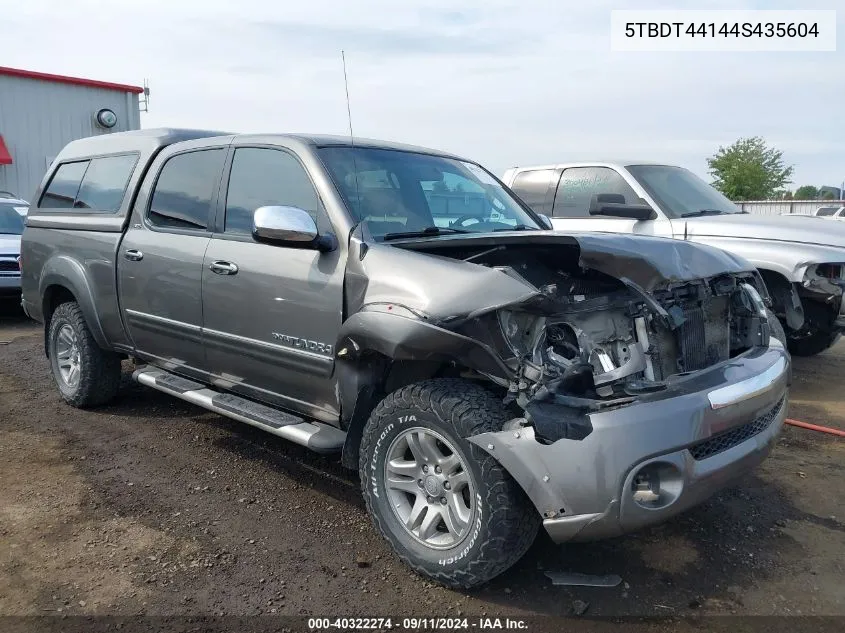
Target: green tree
x=749, y=170
x=828, y=195
x=807, y=192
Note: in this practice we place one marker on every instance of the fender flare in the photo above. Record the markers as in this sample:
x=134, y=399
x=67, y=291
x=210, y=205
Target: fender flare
x=370, y=340
x=70, y=274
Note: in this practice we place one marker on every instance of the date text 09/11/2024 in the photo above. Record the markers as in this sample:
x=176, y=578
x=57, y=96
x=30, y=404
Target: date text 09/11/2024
x=714, y=29
x=417, y=624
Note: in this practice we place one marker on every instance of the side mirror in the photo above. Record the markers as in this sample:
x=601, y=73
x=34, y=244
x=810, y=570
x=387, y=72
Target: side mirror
x=546, y=221
x=289, y=226
x=614, y=205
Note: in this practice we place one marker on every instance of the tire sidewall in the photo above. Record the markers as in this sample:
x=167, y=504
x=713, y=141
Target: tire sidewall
x=56, y=323
x=389, y=426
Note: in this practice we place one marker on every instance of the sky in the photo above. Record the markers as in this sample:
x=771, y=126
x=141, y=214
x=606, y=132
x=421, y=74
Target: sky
x=504, y=82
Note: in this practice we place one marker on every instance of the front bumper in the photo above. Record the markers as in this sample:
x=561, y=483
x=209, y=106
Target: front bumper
x=689, y=440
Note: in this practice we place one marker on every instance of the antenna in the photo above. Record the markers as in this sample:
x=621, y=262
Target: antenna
x=351, y=135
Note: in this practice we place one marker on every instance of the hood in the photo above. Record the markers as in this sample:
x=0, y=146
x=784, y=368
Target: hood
x=10, y=244
x=802, y=229
x=430, y=275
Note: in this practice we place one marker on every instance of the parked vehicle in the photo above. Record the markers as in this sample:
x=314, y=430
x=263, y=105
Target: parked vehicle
x=801, y=260
x=11, y=228
x=831, y=212
x=400, y=307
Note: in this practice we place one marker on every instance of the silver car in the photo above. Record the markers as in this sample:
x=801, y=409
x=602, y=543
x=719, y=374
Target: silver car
x=801, y=259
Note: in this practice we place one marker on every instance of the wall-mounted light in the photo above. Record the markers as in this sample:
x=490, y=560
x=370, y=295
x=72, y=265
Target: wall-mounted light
x=106, y=118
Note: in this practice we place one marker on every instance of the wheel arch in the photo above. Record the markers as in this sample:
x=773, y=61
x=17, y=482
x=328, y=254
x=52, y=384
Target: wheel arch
x=64, y=279
x=786, y=304
x=378, y=353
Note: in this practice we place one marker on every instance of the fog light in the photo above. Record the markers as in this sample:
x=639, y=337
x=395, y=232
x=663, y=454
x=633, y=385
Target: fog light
x=657, y=485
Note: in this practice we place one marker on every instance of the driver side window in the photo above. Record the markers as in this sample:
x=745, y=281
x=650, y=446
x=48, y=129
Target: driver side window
x=578, y=185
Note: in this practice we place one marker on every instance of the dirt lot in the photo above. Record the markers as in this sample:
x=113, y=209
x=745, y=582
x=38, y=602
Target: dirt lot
x=154, y=506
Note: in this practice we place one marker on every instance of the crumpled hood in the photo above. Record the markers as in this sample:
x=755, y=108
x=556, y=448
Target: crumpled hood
x=801, y=229
x=10, y=244
x=424, y=275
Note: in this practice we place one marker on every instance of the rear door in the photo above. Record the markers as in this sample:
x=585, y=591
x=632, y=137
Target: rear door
x=160, y=259
x=271, y=313
x=574, y=192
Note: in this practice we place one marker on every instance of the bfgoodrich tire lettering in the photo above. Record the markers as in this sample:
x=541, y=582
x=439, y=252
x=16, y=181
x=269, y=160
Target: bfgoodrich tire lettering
x=95, y=377
x=503, y=523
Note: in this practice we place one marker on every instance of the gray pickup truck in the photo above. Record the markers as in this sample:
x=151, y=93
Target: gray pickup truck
x=401, y=308
x=801, y=258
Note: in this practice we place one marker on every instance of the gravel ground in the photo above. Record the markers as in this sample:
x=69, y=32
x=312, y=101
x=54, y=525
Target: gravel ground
x=153, y=506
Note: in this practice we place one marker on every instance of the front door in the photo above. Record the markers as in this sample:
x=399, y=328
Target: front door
x=160, y=262
x=575, y=190
x=271, y=313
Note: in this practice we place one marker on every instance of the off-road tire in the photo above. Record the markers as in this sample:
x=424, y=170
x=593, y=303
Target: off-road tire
x=506, y=522
x=99, y=377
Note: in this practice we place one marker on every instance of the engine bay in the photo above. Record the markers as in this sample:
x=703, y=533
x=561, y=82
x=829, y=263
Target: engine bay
x=591, y=341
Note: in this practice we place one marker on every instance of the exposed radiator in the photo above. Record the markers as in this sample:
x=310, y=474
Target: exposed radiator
x=704, y=337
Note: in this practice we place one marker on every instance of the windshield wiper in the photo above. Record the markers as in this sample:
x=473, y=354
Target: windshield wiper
x=429, y=230
x=701, y=212
x=518, y=227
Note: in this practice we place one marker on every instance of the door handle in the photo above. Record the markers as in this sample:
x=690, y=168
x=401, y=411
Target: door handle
x=133, y=255
x=224, y=268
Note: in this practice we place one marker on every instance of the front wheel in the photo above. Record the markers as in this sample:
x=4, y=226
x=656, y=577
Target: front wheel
x=449, y=510
x=817, y=333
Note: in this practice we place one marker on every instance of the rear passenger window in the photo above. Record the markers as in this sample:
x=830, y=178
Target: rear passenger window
x=104, y=184
x=262, y=177
x=61, y=193
x=532, y=186
x=182, y=194
x=578, y=185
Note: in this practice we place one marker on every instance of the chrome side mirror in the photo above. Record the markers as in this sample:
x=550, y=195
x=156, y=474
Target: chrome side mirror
x=547, y=221
x=289, y=226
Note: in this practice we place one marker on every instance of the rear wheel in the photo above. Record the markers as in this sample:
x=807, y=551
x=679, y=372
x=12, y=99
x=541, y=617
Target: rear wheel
x=86, y=374
x=449, y=510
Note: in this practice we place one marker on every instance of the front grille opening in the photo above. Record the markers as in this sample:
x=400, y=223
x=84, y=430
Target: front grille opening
x=728, y=439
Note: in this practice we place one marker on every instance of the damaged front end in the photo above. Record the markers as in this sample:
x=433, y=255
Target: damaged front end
x=590, y=341
x=639, y=373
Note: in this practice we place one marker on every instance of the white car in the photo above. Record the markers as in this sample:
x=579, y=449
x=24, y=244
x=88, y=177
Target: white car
x=20, y=205
x=831, y=212
x=801, y=260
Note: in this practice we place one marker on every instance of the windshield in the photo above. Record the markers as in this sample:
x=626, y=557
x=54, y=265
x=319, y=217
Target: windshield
x=401, y=193
x=11, y=222
x=679, y=192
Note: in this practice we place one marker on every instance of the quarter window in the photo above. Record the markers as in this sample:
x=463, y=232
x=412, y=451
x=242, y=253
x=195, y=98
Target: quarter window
x=578, y=185
x=265, y=177
x=104, y=184
x=61, y=193
x=183, y=191
x=98, y=184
